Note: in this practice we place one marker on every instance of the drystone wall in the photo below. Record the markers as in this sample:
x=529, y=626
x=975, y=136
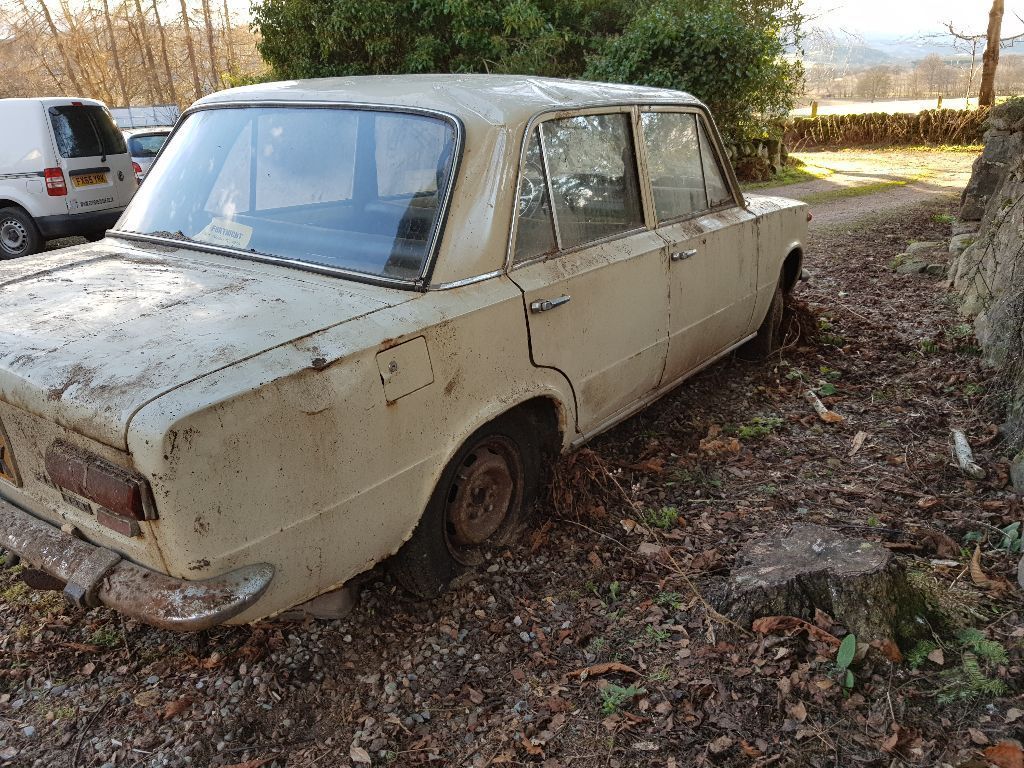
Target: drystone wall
x=987, y=265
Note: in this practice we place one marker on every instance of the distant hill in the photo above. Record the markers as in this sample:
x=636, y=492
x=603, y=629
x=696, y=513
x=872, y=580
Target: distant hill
x=872, y=52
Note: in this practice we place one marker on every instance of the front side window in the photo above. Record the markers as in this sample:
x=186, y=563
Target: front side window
x=359, y=190
x=85, y=130
x=592, y=171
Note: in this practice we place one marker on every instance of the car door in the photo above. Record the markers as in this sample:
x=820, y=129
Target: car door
x=593, y=274
x=711, y=238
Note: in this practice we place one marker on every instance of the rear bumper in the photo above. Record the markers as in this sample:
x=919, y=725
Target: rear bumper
x=99, y=576
x=68, y=224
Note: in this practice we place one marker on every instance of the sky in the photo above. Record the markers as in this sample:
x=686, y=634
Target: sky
x=896, y=19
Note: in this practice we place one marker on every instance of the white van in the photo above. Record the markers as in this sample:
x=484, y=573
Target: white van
x=64, y=170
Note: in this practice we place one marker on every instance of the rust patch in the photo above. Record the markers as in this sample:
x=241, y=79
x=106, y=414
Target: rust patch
x=453, y=384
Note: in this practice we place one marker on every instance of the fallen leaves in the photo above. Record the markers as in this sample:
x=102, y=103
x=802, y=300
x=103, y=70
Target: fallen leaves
x=1005, y=754
x=770, y=625
x=982, y=579
x=829, y=417
x=176, y=707
x=359, y=755
x=595, y=670
x=147, y=698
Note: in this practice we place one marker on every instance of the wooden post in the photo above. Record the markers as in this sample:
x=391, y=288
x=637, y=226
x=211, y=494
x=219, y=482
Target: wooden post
x=939, y=105
x=814, y=109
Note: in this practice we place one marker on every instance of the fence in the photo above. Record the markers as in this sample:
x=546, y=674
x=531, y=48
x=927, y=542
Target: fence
x=933, y=126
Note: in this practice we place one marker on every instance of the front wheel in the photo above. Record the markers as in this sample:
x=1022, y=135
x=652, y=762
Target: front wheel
x=480, y=502
x=18, y=234
x=769, y=335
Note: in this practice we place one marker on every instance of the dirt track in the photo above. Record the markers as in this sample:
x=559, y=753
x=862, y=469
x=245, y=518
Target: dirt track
x=912, y=176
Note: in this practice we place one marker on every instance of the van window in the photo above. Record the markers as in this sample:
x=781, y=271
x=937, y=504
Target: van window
x=85, y=130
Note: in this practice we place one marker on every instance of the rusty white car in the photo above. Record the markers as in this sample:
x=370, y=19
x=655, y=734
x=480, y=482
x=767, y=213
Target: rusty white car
x=350, y=320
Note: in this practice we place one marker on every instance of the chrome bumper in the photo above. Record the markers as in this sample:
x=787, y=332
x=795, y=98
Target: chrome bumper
x=99, y=576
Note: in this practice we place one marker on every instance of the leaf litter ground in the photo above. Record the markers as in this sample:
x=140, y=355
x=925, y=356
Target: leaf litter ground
x=597, y=641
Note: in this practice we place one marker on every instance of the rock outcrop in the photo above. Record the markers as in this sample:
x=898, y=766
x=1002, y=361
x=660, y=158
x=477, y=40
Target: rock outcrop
x=987, y=269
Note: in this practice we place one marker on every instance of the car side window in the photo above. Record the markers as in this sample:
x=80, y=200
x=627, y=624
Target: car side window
x=718, y=191
x=535, y=235
x=592, y=170
x=674, y=163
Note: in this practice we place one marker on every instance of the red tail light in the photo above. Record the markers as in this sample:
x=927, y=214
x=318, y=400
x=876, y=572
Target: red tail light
x=138, y=171
x=123, y=494
x=55, y=185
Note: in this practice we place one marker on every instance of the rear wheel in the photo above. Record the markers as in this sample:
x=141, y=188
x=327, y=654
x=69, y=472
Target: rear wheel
x=480, y=502
x=769, y=335
x=18, y=234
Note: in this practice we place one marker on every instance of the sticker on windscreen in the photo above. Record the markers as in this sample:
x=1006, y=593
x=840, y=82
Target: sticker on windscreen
x=225, y=232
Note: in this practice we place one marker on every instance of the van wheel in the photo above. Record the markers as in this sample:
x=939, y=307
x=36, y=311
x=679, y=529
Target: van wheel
x=480, y=502
x=769, y=335
x=18, y=234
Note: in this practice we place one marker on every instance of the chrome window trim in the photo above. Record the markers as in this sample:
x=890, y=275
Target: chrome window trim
x=465, y=281
x=419, y=283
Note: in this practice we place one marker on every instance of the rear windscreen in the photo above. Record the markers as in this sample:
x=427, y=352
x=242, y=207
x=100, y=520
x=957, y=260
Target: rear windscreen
x=147, y=144
x=85, y=131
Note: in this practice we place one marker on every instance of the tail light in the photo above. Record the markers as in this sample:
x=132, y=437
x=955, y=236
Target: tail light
x=138, y=171
x=55, y=185
x=809, y=216
x=123, y=495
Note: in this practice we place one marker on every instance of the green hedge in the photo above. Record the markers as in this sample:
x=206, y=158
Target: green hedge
x=933, y=126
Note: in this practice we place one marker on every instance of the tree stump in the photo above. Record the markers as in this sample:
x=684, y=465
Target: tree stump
x=798, y=569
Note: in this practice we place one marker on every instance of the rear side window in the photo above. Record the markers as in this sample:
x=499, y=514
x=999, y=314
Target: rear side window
x=146, y=145
x=718, y=190
x=85, y=130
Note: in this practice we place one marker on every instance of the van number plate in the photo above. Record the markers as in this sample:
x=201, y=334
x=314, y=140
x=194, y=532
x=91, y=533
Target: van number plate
x=89, y=179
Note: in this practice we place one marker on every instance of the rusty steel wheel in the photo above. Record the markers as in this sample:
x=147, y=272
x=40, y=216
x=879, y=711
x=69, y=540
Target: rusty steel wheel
x=479, y=503
x=487, y=485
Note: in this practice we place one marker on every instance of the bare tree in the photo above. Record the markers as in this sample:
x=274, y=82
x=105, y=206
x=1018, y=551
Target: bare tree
x=227, y=38
x=118, y=71
x=163, y=49
x=154, y=81
x=971, y=43
x=875, y=82
x=68, y=69
x=197, y=88
x=208, y=21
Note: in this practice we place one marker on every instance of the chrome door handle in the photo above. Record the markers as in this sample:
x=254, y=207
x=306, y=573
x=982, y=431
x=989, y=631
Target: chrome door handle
x=680, y=255
x=543, y=305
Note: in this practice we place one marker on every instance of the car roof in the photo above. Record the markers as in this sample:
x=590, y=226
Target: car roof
x=494, y=99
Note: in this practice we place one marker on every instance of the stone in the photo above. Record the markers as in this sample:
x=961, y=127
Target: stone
x=965, y=227
x=907, y=265
x=923, y=246
x=960, y=243
x=936, y=270
x=1017, y=472
x=804, y=568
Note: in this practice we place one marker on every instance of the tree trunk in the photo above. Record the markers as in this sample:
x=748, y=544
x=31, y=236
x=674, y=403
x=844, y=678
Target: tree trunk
x=167, y=61
x=990, y=59
x=227, y=38
x=68, y=69
x=113, y=52
x=191, y=51
x=151, y=75
x=208, y=21
x=807, y=567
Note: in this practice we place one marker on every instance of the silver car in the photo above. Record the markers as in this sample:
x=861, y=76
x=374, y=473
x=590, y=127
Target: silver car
x=144, y=145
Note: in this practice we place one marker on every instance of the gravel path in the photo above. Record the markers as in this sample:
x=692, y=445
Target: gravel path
x=897, y=179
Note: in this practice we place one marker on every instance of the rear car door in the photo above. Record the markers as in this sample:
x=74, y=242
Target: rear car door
x=593, y=274
x=711, y=237
x=94, y=156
